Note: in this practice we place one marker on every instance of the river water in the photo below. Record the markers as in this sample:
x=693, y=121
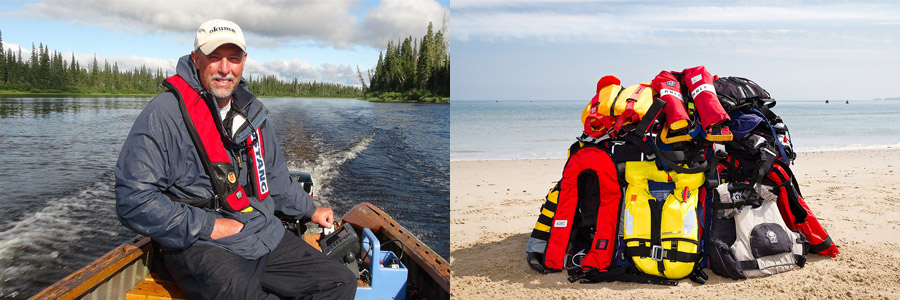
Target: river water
x=56, y=173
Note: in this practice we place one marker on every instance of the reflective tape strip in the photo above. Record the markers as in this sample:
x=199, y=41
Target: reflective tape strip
x=629, y=222
x=664, y=92
x=553, y=197
x=696, y=78
x=703, y=87
x=547, y=212
x=541, y=227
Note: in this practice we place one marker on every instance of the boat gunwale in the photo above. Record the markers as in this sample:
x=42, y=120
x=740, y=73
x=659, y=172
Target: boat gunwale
x=367, y=215
x=84, y=280
x=97, y=272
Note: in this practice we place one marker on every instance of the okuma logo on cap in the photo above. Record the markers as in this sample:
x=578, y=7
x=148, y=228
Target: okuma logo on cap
x=217, y=32
x=221, y=28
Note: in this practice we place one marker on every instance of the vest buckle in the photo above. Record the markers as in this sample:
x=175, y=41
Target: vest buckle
x=656, y=253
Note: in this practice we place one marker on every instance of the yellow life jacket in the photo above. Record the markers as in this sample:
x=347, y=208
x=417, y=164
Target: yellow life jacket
x=661, y=228
x=614, y=106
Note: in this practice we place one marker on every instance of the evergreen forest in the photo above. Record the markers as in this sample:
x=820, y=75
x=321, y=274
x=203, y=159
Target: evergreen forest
x=48, y=72
x=412, y=70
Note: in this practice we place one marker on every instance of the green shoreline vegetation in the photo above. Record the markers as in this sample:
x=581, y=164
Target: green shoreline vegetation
x=412, y=71
x=46, y=73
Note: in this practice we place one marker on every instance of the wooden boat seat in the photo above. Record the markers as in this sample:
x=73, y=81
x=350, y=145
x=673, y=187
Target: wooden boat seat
x=154, y=287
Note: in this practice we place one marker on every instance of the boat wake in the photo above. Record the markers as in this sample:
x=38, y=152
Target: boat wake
x=59, y=238
x=325, y=166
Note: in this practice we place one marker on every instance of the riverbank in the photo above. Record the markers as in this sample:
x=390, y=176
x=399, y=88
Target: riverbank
x=494, y=206
x=445, y=100
x=415, y=96
x=14, y=93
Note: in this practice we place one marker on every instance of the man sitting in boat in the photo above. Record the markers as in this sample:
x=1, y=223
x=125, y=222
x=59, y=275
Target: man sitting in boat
x=202, y=175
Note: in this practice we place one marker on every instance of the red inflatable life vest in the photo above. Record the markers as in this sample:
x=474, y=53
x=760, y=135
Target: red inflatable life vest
x=797, y=215
x=201, y=125
x=589, y=176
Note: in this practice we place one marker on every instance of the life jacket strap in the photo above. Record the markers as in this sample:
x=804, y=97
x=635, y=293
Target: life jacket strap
x=534, y=261
x=821, y=246
x=658, y=253
x=207, y=202
x=754, y=264
x=629, y=115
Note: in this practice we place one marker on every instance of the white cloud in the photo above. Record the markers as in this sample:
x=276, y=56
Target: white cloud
x=282, y=69
x=397, y=19
x=473, y=4
x=302, y=70
x=658, y=23
x=16, y=48
x=275, y=23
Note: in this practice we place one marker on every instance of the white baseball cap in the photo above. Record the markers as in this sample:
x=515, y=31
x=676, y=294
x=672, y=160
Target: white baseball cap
x=218, y=32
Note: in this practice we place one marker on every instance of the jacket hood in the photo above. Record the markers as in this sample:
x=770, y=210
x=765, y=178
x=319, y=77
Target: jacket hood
x=186, y=69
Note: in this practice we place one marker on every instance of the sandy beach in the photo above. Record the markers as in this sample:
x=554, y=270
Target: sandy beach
x=855, y=195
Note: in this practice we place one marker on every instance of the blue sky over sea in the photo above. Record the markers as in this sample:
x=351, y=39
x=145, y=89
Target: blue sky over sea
x=320, y=41
x=558, y=49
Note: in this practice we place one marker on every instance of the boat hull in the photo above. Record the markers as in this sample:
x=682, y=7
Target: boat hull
x=135, y=266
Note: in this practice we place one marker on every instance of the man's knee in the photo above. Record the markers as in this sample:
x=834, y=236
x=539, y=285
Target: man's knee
x=208, y=272
x=347, y=287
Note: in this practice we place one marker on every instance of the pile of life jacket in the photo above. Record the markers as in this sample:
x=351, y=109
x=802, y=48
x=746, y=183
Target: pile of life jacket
x=685, y=173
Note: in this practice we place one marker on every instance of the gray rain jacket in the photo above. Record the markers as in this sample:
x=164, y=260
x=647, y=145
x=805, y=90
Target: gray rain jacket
x=159, y=156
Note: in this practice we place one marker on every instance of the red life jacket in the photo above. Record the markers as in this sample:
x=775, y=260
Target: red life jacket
x=201, y=125
x=578, y=185
x=797, y=215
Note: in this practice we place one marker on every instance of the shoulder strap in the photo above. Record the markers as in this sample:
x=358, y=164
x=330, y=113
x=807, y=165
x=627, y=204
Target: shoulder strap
x=201, y=127
x=665, y=156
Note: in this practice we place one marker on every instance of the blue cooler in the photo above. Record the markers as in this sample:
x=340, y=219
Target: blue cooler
x=388, y=273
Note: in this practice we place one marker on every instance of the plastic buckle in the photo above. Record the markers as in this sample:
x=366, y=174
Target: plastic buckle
x=719, y=151
x=656, y=253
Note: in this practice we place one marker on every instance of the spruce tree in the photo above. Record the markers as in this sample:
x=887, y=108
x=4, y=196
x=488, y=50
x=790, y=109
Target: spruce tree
x=2, y=60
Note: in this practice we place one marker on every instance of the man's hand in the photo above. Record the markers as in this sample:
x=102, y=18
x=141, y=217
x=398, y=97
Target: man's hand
x=225, y=227
x=323, y=216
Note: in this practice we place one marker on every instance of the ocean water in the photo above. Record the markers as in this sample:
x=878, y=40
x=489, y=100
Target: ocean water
x=492, y=130
x=59, y=154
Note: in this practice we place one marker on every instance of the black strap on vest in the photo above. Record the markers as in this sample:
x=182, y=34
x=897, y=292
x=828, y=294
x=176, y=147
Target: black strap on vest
x=656, y=207
x=650, y=116
x=821, y=246
x=712, y=176
x=534, y=261
x=208, y=202
x=667, y=157
x=754, y=264
x=662, y=253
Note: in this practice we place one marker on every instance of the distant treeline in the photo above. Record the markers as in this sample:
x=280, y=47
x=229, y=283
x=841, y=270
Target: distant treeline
x=412, y=70
x=48, y=72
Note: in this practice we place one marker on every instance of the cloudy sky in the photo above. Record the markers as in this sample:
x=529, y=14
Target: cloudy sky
x=558, y=49
x=308, y=40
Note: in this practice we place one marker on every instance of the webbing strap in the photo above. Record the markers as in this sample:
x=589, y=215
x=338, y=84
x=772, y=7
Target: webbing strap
x=749, y=265
x=651, y=115
x=664, y=157
x=667, y=254
x=734, y=205
x=821, y=246
x=712, y=176
x=784, y=157
x=754, y=264
x=656, y=207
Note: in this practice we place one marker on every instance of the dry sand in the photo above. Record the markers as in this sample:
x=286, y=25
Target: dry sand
x=855, y=195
